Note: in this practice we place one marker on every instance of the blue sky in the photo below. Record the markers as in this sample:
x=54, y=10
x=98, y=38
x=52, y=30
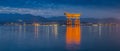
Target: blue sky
x=48, y=8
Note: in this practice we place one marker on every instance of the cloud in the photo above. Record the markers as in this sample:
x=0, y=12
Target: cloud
x=58, y=11
x=37, y=12
x=40, y=3
x=48, y=8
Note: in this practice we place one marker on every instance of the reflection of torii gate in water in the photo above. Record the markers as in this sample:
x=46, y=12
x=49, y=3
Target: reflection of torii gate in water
x=73, y=33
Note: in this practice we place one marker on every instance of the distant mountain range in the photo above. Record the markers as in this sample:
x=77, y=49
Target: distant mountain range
x=6, y=18
x=88, y=20
x=20, y=18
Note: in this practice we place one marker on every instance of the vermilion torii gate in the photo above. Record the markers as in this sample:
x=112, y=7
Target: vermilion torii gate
x=72, y=16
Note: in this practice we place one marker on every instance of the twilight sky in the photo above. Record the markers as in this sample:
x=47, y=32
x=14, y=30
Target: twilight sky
x=48, y=8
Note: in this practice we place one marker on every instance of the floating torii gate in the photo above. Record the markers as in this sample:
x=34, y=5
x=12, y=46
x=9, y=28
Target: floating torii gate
x=73, y=33
x=70, y=16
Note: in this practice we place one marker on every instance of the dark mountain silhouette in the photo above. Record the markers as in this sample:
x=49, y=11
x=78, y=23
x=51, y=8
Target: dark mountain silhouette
x=110, y=20
x=59, y=19
x=86, y=20
x=27, y=18
x=20, y=17
x=63, y=18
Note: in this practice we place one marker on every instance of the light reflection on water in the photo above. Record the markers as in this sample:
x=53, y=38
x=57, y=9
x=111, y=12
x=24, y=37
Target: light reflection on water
x=59, y=38
x=73, y=35
x=36, y=30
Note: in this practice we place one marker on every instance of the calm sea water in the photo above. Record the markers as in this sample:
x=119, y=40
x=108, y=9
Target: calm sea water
x=56, y=38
